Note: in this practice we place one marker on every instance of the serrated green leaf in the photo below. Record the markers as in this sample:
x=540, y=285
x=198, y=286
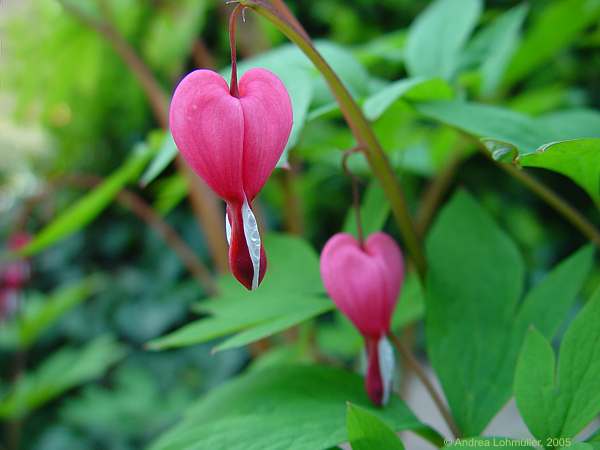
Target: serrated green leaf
x=474, y=325
x=577, y=159
x=90, y=206
x=282, y=408
x=368, y=432
x=434, y=42
x=559, y=401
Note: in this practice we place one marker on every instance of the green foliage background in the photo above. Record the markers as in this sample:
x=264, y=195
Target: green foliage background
x=508, y=77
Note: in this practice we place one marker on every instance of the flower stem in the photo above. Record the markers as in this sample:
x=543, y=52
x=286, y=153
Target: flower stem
x=414, y=365
x=355, y=194
x=358, y=124
x=233, y=87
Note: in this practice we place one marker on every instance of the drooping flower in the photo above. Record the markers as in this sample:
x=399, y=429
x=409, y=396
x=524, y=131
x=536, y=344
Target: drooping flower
x=233, y=140
x=364, y=282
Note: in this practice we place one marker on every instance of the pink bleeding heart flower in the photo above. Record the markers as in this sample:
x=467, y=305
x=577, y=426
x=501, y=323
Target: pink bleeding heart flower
x=233, y=140
x=364, y=282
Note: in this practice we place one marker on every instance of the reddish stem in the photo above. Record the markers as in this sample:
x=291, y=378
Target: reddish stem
x=233, y=88
x=355, y=194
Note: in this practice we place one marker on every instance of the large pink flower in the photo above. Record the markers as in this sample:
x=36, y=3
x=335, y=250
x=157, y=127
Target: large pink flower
x=234, y=144
x=364, y=282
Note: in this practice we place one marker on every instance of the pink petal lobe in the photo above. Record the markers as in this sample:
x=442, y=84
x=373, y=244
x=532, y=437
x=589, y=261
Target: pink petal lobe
x=207, y=124
x=357, y=284
x=267, y=111
x=388, y=257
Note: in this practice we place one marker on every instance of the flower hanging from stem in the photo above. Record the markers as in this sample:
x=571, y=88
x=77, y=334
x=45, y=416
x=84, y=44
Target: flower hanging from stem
x=232, y=137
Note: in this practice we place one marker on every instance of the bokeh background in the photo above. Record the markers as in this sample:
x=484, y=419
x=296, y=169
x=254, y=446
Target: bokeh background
x=71, y=113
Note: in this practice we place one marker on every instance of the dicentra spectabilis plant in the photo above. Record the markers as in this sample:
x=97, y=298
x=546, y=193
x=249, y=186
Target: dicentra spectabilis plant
x=232, y=136
x=364, y=281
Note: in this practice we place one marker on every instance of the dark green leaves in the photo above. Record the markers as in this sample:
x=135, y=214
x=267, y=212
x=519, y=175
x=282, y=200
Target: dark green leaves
x=62, y=370
x=437, y=36
x=512, y=136
x=368, y=432
x=556, y=27
x=561, y=400
x=283, y=408
x=492, y=48
x=500, y=124
x=474, y=323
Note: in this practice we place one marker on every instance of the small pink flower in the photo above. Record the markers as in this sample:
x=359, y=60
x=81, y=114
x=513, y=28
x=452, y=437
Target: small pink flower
x=364, y=282
x=234, y=144
x=13, y=276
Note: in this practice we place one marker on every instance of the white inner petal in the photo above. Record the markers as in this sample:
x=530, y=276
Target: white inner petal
x=386, y=366
x=227, y=229
x=252, y=240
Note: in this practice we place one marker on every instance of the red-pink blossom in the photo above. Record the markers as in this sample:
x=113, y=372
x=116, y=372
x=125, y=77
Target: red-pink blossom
x=234, y=144
x=364, y=282
x=13, y=276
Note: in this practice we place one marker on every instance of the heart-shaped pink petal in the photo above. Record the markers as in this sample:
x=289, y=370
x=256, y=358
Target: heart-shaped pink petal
x=364, y=282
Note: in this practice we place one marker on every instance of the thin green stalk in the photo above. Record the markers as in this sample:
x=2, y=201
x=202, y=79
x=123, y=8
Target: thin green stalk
x=360, y=127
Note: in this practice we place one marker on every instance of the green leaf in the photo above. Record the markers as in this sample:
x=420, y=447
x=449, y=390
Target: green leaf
x=494, y=46
x=282, y=408
x=435, y=42
x=499, y=124
x=291, y=292
x=368, y=432
x=501, y=443
x=91, y=205
x=559, y=401
x=415, y=89
x=307, y=310
x=577, y=159
x=488, y=121
x=543, y=42
x=60, y=372
x=166, y=154
x=474, y=324
x=39, y=316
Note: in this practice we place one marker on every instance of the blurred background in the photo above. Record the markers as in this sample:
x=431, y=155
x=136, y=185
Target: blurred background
x=83, y=88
